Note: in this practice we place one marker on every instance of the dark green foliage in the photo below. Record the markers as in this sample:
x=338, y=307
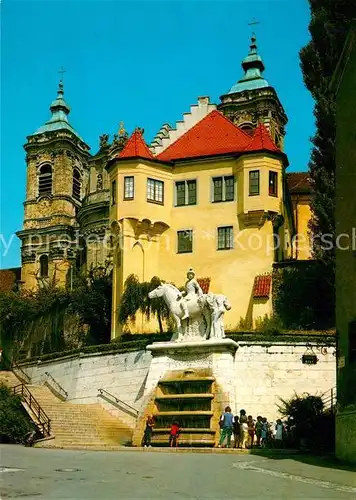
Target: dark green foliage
x=35, y=319
x=330, y=20
x=14, y=422
x=135, y=298
x=91, y=299
x=313, y=427
x=302, y=298
x=301, y=408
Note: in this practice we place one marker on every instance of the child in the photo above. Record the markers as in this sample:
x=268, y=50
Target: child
x=227, y=423
x=250, y=431
x=243, y=429
x=258, y=430
x=264, y=432
x=279, y=434
x=174, y=435
x=147, y=436
x=236, y=432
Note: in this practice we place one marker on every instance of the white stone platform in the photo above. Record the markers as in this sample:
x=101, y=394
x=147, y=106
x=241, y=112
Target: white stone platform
x=215, y=355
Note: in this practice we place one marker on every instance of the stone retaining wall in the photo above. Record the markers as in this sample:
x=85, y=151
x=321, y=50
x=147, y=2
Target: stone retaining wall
x=261, y=373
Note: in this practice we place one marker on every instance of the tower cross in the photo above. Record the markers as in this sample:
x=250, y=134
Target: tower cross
x=61, y=71
x=253, y=22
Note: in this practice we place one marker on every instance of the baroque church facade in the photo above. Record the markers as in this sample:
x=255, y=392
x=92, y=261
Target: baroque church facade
x=184, y=200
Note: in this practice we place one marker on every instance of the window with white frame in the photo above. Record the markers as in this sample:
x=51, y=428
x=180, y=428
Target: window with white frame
x=254, y=183
x=186, y=193
x=225, y=238
x=155, y=191
x=185, y=241
x=129, y=187
x=223, y=188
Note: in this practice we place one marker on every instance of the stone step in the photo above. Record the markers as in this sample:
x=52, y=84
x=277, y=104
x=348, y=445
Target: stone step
x=79, y=424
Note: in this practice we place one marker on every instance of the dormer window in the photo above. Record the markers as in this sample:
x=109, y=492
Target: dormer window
x=45, y=180
x=77, y=184
x=247, y=128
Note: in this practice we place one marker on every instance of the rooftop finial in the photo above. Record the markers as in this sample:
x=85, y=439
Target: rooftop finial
x=61, y=71
x=253, y=67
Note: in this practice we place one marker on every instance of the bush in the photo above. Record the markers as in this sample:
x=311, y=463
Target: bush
x=313, y=428
x=14, y=422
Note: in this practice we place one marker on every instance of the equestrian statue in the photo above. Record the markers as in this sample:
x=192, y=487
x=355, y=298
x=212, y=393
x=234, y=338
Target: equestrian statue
x=197, y=315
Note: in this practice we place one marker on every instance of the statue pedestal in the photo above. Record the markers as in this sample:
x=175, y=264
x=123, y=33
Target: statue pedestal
x=215, y=356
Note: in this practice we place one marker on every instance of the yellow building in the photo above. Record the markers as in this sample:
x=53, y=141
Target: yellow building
x=213, y=200
x=209, y=192
x=300, y=192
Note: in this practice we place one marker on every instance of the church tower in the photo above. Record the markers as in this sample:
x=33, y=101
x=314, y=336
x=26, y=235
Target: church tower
x=252, y=100
x=57, y=175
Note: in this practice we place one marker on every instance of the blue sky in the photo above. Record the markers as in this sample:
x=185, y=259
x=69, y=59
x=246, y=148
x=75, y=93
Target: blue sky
x=143, y=63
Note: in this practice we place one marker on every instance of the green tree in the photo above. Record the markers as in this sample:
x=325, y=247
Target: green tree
x=14, y=422
x=91, y=299
x=135, y=298
x=330, y=20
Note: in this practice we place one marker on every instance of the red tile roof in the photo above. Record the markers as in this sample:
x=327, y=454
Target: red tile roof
x=136, y=147
x=262, y=286
x=213, y=135
x=261, y=140
x=299, y=182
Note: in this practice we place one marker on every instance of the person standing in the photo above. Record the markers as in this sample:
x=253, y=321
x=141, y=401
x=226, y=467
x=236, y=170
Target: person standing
x=264, y=432
x=243, y=429
x=258, y=430
x=174, y=435
x=279, y=434
x=236, y=431
x=147, y=436
x=227, y=420
x=250, y=431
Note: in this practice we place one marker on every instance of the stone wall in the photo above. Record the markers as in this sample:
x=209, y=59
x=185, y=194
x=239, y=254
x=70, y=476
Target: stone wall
x=346, y=434
x=123, y=375
x=259, y=374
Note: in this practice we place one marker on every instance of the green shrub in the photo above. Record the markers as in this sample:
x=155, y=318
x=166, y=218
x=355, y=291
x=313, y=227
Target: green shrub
x=14, y=422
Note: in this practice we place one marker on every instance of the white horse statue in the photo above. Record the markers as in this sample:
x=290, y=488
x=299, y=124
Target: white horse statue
x=205, y=315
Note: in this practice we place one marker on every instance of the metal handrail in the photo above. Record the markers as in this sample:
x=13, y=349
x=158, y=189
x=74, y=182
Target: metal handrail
x=57, y=384
x=329, y=399
x=117, y=400
x=44, y=422
x=21, y=375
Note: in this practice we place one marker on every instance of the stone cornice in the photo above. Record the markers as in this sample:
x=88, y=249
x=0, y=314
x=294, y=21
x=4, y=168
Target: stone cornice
x=54, y=197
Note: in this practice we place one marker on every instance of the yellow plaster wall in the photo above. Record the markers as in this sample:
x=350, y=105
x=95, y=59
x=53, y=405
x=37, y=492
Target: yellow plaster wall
x=149, y=231
x=302, y=216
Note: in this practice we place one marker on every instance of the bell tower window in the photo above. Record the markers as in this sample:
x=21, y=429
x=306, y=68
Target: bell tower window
x=44, y=266
x=247, y=128
x=77, y=184
x=45, y=180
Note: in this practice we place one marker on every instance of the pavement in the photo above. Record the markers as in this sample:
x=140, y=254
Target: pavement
x=35, y=473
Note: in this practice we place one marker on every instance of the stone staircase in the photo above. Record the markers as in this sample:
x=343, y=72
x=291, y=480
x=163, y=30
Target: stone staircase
x=9, y=379
x=73, y=425
x=79, y=425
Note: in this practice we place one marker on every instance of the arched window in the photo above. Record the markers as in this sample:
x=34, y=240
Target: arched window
x=44, y=266
x=247, y=128
x=77, y=184
x=45, y=180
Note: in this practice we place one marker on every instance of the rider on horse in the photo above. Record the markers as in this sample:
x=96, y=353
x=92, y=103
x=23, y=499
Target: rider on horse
x=192, y=288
